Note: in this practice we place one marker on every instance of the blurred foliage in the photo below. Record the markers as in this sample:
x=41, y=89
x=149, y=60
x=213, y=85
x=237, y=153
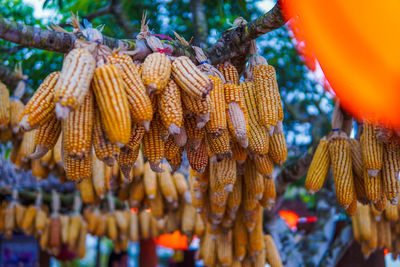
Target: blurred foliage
x=307, y=107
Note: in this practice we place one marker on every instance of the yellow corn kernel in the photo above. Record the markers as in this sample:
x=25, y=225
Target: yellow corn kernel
x=104, y=149
x=340, y=155
x=238, y=152
x=81, y=246
x=199, y=226
x=356, y=157
x=138, y=168
x=167, y=186
x=266, y=85
x=237, y=113
x=391, y=212
x=199, y=108
x=352, y=208
x=153, y=145
x=19, y=214
x=40, y=220
x=363, y=221
x=371, y=149
x=77, y=129
x=45, y=236
x=223, y=175
x=156, y=70
x=87, y=191
x=373, y=241
x=230, y=73
x=27, y=146
x=74, y=81
x=74, y=228
x=220, y=146
x=195, y=136
x=359, y=188
x=209, y=252
x=40, y=107
x=99, y=177
x=240, y=237
x=149, y=181
x=113, y=103
x=122, y=222
x=4, y=106
x=57, y=152
x=380, y=204
x=170, y=108
x=188, y=219
x=224, y=247
x=126, y=159
x=269, y=195
x=173, y=154
x=46, y=137
x=256, y=239
x=258, y=137
x=181, y=184
x=271, y=253
x=194, y=82
x=319, y=168
x=373, y=186
x=101, y=226
x=39, y=171
x=217, y=123
x=112, y=231
x=77, y=169
x=253, y=180
x=139, y=102
x=390, y=173
x=136, y=193
x=235, y=197
x=133, y=226
x=198, y=159
x=144, y=224
x=277, y=146
x=16, y=109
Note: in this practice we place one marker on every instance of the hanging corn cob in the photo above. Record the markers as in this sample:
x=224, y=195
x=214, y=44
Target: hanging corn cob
x=4, y=106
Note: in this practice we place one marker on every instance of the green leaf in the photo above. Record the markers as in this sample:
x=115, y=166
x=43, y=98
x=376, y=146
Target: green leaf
x=242, y=5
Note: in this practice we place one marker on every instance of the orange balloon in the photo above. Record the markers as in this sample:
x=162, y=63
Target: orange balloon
x=357, y=45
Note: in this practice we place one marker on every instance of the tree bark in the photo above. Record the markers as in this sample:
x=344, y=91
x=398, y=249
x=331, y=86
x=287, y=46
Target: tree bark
x=200, y=22
x=8, y=77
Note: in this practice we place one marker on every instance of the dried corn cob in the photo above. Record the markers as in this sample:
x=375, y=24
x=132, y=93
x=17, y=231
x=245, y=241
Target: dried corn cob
x=156, y=70
x=81, y=246
x=217, y=123
x=190, y=78
x=55, y=232
x=223, y=175
x=170, y=108
x=74, y=228
x=240, y=237
x=126, y=159
x=380, y=204
x=122, y=222
x=372, y=150
x=364, y=221
x=220, y=146
x=139, y=102
x=264, y=165
x=209, y=250
x=77, y=169
x=57, y=152
x=173, y=154
x=356, y=157
x=46, y=137
x=352, y=208
x=271, y=253
x=181, y=184
x=77, y=129
x=101, y=226
x=167, y=185
x=74, y=81
x=29, y=217
x=4, y=106
x=269, y=194
x=188, y=219
x=199, y=108
x=99, y=177
x=136, y=193
x=39, y=171
x=133, y=227
x=109, y=90
x=40, y=107
x=391, y=212
x=45, y=236
x=157, y=205
x=319, y=167
x=19, y=214
x=87, y=191
x=27, y=146
x=224, y=247
x=64, y=220
x=390, y=173
x=373, y=241
x=266, y=85
x=237, y=113
x=230, y=73
x=373, y=186
x=9, y=220
x=253, y=180
x=40, y=220
x=144, y=224
x=238, y=152
x=277, y=145
x=104, y=149
x=256, y=239
x=112, y=231
x=16, y=109
x=195, y=136
x=198, y=160
x=149, y=181
x=153, y=145
x=340, y=155
x=235, y=198
x=258, y=138
x=138, y=168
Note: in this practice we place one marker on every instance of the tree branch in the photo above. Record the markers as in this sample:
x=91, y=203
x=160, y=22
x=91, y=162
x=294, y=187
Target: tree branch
x=117, y=10
x=200, y=23
x=233, y=42
x=8, y=77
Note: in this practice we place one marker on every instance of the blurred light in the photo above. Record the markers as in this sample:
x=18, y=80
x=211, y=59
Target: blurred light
x=292, y=219
x=358, y=55
x=173, y=241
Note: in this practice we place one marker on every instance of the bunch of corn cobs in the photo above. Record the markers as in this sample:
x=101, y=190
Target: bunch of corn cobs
x=92, y=120
x=365, y=169
x=375, y=229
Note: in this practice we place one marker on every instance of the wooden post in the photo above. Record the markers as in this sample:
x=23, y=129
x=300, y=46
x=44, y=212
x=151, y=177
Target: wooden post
x=147, y=253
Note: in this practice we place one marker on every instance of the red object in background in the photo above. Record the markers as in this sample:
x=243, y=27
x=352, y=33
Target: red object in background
x=356, y=44
x=173, y=241
x=292, y=218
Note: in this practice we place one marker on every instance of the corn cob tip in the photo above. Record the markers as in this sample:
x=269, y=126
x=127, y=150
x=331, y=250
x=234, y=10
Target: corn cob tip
x=373, y=172
x=174, y=167
x=62, y=111
x=119, y=144
x=39, y=152
x=193, y=144
x=258, y=196
x=126, y=171
x=271, y=131
x=395, y=201
x=187, y=196
x=174, y=129
x=15, y=129
x=201, y=120
x=180, y=139
x=24, y=124
x=109, y=161
x=311, y=192
x=229, y=188
x=156, y=166
x=146, y=125
x=244, y=142
x=151, y=88
x=150, y=196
